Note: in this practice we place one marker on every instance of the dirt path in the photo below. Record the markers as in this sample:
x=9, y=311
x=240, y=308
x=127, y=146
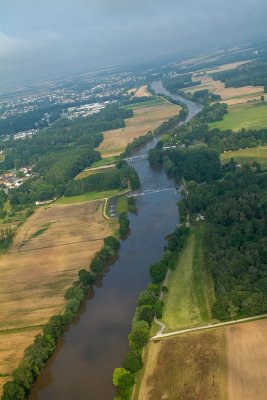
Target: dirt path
x=160, y=335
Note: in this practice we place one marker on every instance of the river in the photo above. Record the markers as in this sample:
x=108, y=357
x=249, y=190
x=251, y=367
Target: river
x=95, y=343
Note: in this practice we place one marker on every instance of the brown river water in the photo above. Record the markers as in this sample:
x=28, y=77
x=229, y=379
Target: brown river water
x=96, y=342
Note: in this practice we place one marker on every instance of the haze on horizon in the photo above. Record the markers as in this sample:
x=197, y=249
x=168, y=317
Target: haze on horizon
x=42, y=39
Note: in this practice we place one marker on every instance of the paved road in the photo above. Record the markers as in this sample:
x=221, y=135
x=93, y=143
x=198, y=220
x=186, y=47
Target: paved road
x=161, y=335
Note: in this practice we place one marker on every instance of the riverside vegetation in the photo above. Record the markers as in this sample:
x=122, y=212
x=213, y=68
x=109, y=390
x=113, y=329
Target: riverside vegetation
x=58, y=169
x=229, y=203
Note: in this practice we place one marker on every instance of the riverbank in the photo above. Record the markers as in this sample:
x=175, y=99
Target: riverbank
x=64, y=239
x=127, y=277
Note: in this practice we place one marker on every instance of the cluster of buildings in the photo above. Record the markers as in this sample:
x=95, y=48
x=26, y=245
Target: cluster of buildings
x=12, y=179
x=77, y=96
x=85, y=110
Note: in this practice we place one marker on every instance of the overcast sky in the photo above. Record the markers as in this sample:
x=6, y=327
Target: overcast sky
x=49, y=37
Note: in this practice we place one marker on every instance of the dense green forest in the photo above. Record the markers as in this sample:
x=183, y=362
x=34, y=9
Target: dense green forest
x=200, y=165
x=233, y=201
x=201, y=96
x=235, y=209
x=178, y=82
x=254, y=73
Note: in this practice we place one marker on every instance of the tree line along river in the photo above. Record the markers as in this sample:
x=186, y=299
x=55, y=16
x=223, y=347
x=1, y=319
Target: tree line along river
x=95, y=343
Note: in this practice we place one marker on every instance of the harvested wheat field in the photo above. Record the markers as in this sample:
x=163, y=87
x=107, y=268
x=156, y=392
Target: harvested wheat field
x=188, y=367
x=227, y=67
x=12, y=345
x=247, y=361
x=145, y=119
x=48, y=251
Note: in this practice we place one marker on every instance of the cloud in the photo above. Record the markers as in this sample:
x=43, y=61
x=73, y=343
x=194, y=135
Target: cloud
x=10, y=46
x=56, y=36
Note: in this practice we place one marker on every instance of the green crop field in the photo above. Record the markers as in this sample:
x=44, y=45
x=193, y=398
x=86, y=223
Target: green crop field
x=190, y=288
x=122, y=205
x=247, y=156
x=148, y=103
x=93, y=171
x=105, y=161
x=87, y=197
x=247, y=115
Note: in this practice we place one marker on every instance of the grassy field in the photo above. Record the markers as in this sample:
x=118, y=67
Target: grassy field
x=92, y=171
x=87, y=197
x=148, y=103
x=190, y=290
x=189, y=367
x=246, y=115
x=112, y=152
x=147, y=117
x=104, y=161
x=248, y=156
x=122, y=205
x=37, y=269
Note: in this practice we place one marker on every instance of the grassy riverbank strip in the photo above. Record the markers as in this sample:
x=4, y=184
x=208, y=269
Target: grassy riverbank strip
x=190, y=295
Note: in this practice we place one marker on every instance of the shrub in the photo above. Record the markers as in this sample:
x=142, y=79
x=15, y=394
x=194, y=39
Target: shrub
x=133, y=361
x=86, y=278
x=159, y=309
x=145, y=313
x=13, y=391
x=157, y=272
x=74, y=292
x=124, y=381
x=124, y=224
x=54, y=327
x=139, y=335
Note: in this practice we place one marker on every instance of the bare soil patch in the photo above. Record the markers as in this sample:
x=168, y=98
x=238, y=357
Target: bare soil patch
x=145, y=119
x=142, y=92
x=247, y=361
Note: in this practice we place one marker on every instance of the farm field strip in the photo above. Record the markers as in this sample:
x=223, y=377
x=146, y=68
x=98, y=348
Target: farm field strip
x=189, y=367
x=247, y=361
x=229, y=363
x=146, y=118
x=191, y=305
x=93, y=171
x=38, y=269
x=228, y=95
x=209, y=326
x=90, y=196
